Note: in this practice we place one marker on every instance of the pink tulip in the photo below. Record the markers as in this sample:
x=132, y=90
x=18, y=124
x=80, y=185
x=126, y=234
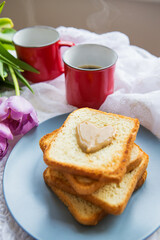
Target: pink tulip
x=5, y=135
x=17, y=116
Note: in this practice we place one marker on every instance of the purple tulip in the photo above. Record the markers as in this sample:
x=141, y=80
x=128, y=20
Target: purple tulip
x=5, y=135
x=17, y=116
x=3, y=108
x=3, y=147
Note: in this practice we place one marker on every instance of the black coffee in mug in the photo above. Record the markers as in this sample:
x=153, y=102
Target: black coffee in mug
x=92, y=67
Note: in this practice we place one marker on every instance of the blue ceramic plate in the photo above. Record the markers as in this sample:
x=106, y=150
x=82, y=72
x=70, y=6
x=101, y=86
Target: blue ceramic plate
x=40, y=213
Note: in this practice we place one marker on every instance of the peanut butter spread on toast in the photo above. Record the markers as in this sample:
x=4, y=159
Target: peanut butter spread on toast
x=92, y=138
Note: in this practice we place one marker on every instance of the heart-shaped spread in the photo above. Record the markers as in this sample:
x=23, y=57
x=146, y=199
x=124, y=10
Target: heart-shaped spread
x=91, y=138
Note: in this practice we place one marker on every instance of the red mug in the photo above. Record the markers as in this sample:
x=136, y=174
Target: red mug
x=89, y=74
x=40, y=46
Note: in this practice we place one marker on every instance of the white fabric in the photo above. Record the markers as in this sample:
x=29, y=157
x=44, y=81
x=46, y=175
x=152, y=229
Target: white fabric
x=137, y=94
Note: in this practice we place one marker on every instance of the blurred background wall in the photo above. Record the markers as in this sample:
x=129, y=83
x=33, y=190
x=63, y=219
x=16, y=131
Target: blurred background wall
x=139, y=19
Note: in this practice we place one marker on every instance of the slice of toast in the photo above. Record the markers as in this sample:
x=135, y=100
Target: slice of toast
x=83, y=211
x=84, y=185
x=109, y=163
x=59, y=180
x=112, y=197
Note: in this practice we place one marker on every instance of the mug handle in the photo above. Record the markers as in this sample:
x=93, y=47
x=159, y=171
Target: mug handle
x=63, y=44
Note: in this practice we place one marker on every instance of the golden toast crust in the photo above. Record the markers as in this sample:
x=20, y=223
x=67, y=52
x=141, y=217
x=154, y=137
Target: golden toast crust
x=100, y=174
x=118, y=209
x=91, y=219
x=57, y=179
x=84, y=185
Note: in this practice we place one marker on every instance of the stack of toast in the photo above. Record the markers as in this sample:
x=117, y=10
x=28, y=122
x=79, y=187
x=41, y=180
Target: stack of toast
x=98, y=183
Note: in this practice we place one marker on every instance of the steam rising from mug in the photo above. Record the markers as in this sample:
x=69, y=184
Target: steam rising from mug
x=105, y=15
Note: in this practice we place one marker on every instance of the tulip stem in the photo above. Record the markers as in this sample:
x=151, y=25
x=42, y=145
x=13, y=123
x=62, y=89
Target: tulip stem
x=15, y=81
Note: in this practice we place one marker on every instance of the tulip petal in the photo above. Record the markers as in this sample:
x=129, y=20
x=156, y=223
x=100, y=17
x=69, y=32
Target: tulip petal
x=3, y=147
x=2, y=99
x=4, y=113
x=19, y=104
x=18, y=114
x=5, y=132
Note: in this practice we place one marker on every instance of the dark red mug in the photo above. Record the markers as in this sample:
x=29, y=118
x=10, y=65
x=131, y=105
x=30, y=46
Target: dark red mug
x=89, y=74
x=40, y=46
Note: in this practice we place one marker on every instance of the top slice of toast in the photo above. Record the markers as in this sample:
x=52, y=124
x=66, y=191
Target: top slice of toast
x=110, y=162
x=84, y=185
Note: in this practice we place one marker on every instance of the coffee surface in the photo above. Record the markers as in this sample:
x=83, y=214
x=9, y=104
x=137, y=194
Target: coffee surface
x=89, y=67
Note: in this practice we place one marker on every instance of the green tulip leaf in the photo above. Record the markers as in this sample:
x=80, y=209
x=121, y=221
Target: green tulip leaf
x=15, y=81
x=1, y=70
x=8, y=46
x=1, y=6
x=16, y=61
x=23, y=80
x=3, y=73
x=9, y=63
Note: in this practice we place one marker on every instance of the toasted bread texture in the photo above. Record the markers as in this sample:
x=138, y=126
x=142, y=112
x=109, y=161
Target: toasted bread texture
x=59, y=180
x=107, y=163
x=112, y=197
x=84, y=185
x=83, y=211
x=141, y=180
x=46, y=140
